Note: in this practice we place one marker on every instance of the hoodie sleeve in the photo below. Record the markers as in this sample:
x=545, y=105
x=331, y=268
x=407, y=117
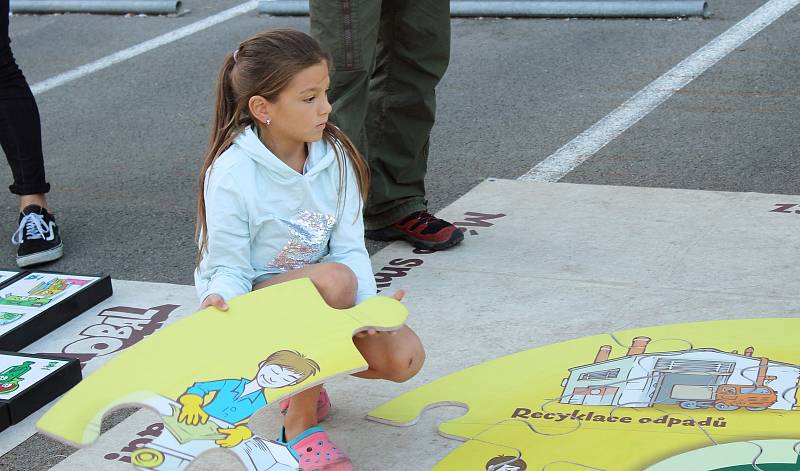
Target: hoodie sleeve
x=347, y=239
x=225, y=269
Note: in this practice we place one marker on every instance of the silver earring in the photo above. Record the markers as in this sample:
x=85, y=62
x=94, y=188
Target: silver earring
x=267, y=121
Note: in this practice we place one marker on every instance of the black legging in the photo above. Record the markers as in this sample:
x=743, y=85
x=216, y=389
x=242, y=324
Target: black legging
x=20, y=129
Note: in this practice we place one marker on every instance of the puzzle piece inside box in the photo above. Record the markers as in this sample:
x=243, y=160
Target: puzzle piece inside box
x=28, y=382
x=575, y=401
x=33, y=304
x=764, y=455
x=208, y=373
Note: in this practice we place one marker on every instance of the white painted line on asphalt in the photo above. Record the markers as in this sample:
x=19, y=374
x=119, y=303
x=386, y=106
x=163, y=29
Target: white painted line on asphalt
x=141, y=48
x=589, y=142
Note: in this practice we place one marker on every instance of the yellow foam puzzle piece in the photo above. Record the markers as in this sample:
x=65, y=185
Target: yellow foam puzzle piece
x=577, y=401
x=737, y=456
x=212, y=345
x=519, y=446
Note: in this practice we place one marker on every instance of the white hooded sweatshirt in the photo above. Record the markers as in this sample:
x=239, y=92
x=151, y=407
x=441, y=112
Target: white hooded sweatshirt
x=265, y=218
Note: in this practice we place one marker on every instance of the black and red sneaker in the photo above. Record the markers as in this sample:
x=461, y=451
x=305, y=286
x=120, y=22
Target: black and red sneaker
x=422, y=230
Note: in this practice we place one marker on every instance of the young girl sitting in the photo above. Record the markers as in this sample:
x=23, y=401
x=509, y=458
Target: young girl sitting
x=280, y=198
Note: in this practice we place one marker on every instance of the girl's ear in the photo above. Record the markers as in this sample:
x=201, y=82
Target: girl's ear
x=259, y=108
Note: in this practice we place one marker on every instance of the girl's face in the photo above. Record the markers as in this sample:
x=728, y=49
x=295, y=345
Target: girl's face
x=302, y=109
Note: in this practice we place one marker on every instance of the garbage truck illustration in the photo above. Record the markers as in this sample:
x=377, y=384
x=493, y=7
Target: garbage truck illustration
x=725, y=397
x=695, y=378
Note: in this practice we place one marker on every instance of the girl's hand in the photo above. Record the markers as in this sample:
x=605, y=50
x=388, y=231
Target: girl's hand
x=398, y=295
x=215, y=300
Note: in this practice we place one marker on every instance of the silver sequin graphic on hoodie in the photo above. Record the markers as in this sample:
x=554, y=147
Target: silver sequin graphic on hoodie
x=310, y=233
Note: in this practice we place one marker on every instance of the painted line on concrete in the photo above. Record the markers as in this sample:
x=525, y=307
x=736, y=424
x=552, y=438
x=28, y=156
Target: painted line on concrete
x=133, y=51
x=589, y=142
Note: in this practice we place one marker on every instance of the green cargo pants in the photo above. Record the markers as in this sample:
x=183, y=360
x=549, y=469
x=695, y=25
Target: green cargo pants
x=388, y=57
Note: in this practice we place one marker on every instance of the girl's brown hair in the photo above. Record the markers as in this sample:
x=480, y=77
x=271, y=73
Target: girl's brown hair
x=264, y=65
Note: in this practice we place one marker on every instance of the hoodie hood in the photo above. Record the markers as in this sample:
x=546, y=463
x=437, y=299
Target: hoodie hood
x=320, y=156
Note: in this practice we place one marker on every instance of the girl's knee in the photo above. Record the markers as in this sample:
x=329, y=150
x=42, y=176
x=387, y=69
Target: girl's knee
x=405, y=364
x=338, y=285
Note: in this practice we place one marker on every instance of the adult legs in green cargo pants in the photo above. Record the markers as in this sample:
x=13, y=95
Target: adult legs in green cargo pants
x=388, y=56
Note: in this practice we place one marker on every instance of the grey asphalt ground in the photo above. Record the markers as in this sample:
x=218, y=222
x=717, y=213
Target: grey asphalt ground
x=123, y=146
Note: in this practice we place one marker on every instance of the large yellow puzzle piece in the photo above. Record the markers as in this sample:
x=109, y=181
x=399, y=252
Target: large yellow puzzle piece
x=280, y=339
x=576, y=402
x=766, y=455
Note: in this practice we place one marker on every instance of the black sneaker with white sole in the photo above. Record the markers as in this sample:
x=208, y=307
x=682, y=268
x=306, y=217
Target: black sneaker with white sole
x=37, y=237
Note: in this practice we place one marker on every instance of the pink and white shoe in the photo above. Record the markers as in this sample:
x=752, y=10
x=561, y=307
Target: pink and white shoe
x=316, y=452
x=323, y=405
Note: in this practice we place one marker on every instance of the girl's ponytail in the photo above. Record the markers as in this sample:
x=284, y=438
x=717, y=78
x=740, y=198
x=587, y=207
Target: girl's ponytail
x=224, y=129
x=341, y=142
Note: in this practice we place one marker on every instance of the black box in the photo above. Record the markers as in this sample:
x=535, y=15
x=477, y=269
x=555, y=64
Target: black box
x=28, y=382
x=5, y=419
x=27, y=318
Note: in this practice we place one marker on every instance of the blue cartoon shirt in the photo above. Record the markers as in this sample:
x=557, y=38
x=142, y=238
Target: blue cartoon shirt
x=229, y=404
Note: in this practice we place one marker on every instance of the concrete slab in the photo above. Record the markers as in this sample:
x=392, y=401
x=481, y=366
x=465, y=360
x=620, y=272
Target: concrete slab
x=698, y=240
x=544, y=263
